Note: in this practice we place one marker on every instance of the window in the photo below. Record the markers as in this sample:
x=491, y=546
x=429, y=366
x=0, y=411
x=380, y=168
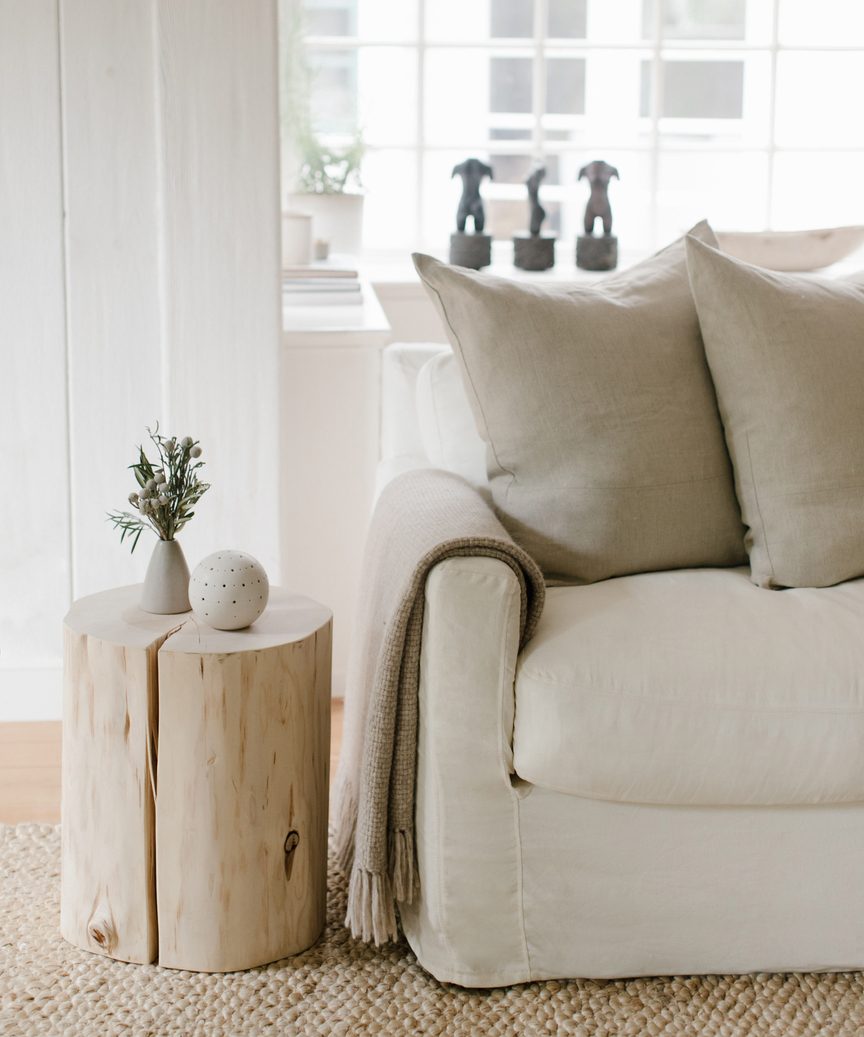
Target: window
x=717, y=108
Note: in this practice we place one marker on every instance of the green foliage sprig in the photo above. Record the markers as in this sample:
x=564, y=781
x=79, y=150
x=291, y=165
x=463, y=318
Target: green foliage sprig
x=328, y=170
x=169, y=489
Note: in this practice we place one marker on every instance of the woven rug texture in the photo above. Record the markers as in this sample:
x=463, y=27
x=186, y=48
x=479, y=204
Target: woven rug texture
x=344, y=987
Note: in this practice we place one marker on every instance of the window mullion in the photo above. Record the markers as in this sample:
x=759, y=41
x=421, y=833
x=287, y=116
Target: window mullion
x=656, y=108
x=772, y=114
x=538, y=107
x=420, y=115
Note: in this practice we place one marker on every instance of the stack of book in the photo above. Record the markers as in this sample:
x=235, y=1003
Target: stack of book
x=321, y=284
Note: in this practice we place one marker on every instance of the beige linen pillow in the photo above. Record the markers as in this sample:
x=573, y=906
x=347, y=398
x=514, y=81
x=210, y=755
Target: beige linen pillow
x=606, y=452
x=787, y=357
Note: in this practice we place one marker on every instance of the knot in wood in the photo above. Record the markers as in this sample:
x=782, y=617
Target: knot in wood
x=291, y=841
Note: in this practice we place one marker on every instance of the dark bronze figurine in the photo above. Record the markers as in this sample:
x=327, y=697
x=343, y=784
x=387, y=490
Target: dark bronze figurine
x=472, y=171
x=538, y=213
x=598, y=174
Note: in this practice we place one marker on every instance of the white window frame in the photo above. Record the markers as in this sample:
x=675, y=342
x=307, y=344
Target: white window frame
x=539, y=48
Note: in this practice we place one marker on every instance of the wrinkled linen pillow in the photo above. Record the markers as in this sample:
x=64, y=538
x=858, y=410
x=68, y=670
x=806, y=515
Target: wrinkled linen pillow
x=787, y=358
x=605, y=449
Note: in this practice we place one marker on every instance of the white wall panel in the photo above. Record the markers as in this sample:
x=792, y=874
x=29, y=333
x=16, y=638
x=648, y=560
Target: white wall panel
x=158, y=299
x=222, y=252
x=112, y=255
x=34, y=530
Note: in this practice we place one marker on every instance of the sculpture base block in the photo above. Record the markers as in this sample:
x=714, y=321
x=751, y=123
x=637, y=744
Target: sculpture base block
x=596, y=253
x=471, y=250
x=534, y=251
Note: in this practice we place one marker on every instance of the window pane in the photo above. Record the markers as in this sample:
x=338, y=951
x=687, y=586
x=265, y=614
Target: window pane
x=388, y=116
x=830, y=22
x=367, y=19
x=507, y=134
x=512, y=18
x=565, y=86
x=567, y=19
x=514, y=169
x=728, y=190
x=333, y=90
x=798, y=204
x=330, y=17
x=697, y=89
x=389, y=210
x=383, y=21
x=696, y=19
x=818, y=99
x=468, y=94
x=509, y=216
x=510, y=169
x=467, y=21
x=510, y=88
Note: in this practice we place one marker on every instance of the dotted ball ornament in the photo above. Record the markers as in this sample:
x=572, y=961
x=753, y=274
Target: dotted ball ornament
x=229, y=590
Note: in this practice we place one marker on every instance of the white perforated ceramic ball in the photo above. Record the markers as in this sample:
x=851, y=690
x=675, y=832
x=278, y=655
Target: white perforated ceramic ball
x=229, y=590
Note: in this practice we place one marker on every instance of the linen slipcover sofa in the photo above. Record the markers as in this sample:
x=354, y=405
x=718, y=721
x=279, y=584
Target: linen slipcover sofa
x=668, y=779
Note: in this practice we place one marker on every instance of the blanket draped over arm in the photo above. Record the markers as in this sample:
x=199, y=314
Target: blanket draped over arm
x=422, y=518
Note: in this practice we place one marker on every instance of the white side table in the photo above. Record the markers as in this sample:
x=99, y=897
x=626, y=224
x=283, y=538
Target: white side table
x=195, y=783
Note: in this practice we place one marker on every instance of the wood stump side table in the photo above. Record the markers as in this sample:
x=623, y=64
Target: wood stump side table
x=195, y=783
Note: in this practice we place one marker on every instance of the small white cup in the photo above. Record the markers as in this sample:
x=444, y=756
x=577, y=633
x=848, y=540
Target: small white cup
x=296, y=239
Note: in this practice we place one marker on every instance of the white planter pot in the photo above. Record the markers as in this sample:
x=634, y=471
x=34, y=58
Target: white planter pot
x=337, y=218
x=166, y=584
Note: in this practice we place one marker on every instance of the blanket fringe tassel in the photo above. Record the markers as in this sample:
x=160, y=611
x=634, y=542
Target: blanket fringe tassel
x=402, y=871
x=371, y=909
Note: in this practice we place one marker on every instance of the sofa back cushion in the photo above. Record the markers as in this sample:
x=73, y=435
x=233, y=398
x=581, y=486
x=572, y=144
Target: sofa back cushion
x=447, y=428
x=605, y=451
x=787, y=357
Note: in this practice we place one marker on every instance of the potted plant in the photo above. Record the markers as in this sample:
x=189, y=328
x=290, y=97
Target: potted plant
x=323, y=175
x=168, y=490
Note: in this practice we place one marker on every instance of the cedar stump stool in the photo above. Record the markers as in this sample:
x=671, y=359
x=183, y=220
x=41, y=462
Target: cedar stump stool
x=195, y=783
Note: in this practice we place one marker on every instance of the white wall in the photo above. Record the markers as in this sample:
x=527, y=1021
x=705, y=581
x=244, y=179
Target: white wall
x=154, y=126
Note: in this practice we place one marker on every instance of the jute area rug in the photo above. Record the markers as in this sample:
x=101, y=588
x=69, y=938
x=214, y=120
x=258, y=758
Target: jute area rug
x=343, y=987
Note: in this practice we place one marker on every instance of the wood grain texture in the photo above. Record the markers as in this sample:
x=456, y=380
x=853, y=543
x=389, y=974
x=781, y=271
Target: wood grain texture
x=109, y=730
x=241, y=811
x=34, y=547
x=30, y=767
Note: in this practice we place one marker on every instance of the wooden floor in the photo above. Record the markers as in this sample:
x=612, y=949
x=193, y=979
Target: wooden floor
x=30, y=768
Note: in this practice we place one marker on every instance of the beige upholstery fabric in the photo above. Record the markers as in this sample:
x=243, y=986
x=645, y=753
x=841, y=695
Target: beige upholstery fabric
x=606, y=453
x=695, y=687
x=447, y=429
x=520, y=882
x=787, y=358
x=420, y=519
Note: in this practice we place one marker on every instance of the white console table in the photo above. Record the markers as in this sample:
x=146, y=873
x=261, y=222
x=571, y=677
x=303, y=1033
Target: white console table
x=330, y=429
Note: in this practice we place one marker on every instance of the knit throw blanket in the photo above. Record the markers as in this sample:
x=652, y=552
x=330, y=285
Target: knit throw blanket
x=422, y=518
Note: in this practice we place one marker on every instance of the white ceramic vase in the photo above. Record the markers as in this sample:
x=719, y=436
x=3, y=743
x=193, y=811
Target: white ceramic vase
x=166, y=585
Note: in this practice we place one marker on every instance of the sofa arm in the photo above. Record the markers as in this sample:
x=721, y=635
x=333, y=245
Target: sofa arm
x=466, y=805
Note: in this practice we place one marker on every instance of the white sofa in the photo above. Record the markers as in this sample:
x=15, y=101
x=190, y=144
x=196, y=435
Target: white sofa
x=669, y=778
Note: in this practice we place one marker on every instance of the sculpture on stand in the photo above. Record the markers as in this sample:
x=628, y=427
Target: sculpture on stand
x=597, y=253
x=534, y=251
x=471, y=250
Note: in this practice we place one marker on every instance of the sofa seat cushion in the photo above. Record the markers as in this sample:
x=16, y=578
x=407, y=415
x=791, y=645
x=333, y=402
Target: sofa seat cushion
x=695, y=687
